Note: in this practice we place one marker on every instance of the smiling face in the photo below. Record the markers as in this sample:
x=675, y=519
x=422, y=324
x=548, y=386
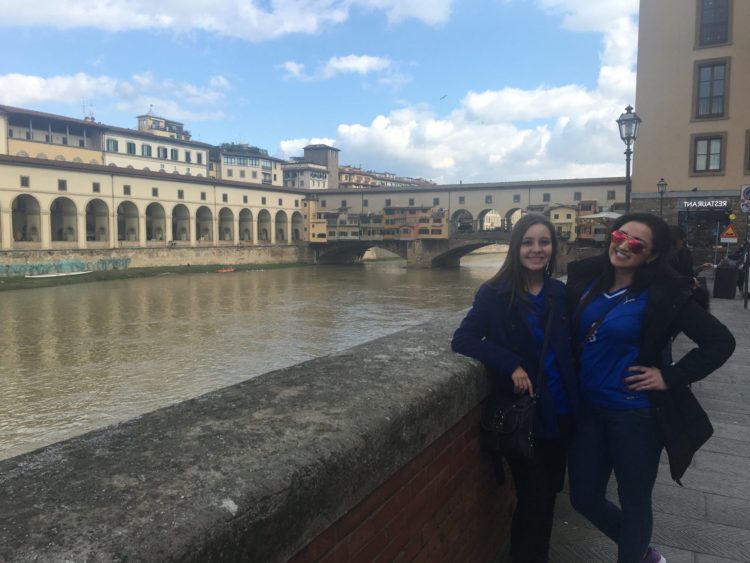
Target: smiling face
x=536, y=248
x=624, y=246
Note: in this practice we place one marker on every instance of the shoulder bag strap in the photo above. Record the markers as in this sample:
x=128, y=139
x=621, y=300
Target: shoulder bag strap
x=545, y=346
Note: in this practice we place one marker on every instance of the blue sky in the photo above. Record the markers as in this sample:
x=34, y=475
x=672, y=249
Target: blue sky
x=469, y=90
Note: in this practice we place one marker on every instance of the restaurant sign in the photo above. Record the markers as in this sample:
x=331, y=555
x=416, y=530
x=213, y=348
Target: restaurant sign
x=706, y=203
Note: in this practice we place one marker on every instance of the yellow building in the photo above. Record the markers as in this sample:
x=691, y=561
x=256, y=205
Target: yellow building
x=693, y=79
x=563, y=218
x=243, y=163
x=306, y=175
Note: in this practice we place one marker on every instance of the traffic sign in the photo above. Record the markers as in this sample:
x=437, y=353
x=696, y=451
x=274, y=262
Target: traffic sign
x=729, y=235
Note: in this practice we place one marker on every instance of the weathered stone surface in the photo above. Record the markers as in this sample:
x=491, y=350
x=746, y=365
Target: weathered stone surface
x=246, y=473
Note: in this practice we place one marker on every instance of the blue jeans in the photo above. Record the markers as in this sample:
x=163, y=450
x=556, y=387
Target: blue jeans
x=628, y=442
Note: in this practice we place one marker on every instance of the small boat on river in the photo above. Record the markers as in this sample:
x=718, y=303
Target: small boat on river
x=225, y=270
x=55, y=275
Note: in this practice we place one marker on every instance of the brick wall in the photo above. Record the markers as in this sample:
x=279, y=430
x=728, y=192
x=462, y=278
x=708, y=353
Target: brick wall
x=443, y=505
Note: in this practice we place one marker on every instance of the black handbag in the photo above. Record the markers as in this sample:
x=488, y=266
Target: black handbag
x=507, y=427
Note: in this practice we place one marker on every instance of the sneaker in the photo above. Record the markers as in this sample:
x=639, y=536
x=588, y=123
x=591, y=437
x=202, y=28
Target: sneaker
x=653, y=556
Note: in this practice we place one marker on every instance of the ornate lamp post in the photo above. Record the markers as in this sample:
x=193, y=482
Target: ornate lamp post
x=628, y=124
x=662, y=187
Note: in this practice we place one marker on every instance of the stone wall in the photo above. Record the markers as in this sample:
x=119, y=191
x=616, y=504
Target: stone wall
x=328, y=449
x=23, y=262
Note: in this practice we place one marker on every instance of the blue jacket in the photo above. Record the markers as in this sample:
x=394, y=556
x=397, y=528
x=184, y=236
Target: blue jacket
x=496, y=333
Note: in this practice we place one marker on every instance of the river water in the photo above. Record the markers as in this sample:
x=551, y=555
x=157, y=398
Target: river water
x=78, y=357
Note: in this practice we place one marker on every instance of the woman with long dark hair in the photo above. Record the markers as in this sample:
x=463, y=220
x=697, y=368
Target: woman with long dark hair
x=627, y=304
x=505, y=330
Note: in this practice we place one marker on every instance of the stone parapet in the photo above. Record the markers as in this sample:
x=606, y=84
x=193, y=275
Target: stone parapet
x=259, y=470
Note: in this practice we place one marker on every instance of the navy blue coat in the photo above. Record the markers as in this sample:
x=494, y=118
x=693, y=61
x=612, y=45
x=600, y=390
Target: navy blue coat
x=497, y=333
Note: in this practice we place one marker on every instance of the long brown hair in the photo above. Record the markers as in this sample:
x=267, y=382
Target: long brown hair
x=512, y=271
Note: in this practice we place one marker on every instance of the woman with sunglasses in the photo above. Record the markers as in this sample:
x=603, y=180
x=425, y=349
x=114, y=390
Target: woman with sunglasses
x=505, y=330
x=626, y=305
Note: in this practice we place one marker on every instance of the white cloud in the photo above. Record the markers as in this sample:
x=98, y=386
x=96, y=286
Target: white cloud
x=349, y=64
x=252, y=20
x=551, y=131
x=170, y=98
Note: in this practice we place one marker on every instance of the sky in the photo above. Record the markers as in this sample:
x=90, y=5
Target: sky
x=448, y=90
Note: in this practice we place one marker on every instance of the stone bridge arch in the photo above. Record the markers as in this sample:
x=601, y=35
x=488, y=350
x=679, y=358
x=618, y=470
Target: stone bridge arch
x=351, y=252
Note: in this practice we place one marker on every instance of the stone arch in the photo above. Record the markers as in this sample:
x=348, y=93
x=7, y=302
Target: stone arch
x=264, y=226
x=490, y=219
x=26, y=219
x=204, y=224
x=60, y=158
x=246, y=225
x=78, y=159
x=180, y=222
x=42, y=156
x=156, y=222
x=127, y=222
x=94, y=161
x=22, y=153
x=63, y=219
x=146, y=169
x=511, y=216
x=97, y=221
x=281, y=226
x=226, y=224
x=461, y=222
x=297, y=226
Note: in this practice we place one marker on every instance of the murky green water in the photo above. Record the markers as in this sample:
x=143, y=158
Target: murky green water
x=84, y=356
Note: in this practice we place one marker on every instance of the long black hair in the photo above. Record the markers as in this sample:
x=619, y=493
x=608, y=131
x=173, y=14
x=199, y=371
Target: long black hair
x=512, y=271
x=661, y=247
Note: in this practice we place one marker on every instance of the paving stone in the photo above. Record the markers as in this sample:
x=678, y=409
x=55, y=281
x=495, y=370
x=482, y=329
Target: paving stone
x=729, y=511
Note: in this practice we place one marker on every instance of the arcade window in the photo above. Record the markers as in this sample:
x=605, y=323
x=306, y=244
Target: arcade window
x=611, y=195
x=707, y=154
x=365, y=203
x=435, y=201
x=263, y=201
x=713, y=22
x=25, y=182
x=516, y=198
x=411, y=201
x=244, y=199
x=62, y=185
x=180, y=194
x=388, y=202
x=546, y=197
x=154, y=192
x=343, y=203
x=576, y=196
x=224, y=198
x=96, y=187
x=488, y=199
x=281, y=202
x=203, y=196
x=126, y=190
x=711, y=88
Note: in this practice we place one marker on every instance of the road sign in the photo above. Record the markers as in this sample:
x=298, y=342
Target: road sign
x=729, y=235
x=745, y=198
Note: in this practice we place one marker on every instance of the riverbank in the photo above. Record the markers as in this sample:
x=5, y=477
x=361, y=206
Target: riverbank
x=20, y=282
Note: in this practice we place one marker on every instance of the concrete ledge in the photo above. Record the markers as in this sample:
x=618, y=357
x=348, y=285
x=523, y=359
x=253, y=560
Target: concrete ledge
x=251, y=472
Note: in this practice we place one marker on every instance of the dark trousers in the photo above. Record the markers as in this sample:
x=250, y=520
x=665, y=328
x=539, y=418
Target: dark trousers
x=537, y=482
x=626, y=442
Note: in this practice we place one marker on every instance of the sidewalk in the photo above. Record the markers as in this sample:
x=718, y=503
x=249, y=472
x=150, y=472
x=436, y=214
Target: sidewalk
x=707, y=521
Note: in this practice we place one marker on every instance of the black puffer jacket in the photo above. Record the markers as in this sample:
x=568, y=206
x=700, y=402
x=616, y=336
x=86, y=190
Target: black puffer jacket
x=670, y=309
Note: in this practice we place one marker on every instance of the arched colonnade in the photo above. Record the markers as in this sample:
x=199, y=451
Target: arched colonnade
x=99, y=224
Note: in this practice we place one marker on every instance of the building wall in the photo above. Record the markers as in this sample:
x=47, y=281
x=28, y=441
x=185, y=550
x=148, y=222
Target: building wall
x=153, y=163
x=65, y=153
x=667, y=54
x=279, y=209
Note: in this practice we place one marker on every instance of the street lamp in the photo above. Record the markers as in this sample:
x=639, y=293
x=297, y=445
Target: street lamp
x=662, y=187
x=628, y=124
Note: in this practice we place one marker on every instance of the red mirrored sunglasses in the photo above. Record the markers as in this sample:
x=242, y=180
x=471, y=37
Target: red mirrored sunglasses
x=634, y=245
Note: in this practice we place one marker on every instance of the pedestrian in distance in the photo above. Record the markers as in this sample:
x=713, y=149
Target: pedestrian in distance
x=626, y=304
x=505, y=329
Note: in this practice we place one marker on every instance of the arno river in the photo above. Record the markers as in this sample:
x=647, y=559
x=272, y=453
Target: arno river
x=78, y=357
